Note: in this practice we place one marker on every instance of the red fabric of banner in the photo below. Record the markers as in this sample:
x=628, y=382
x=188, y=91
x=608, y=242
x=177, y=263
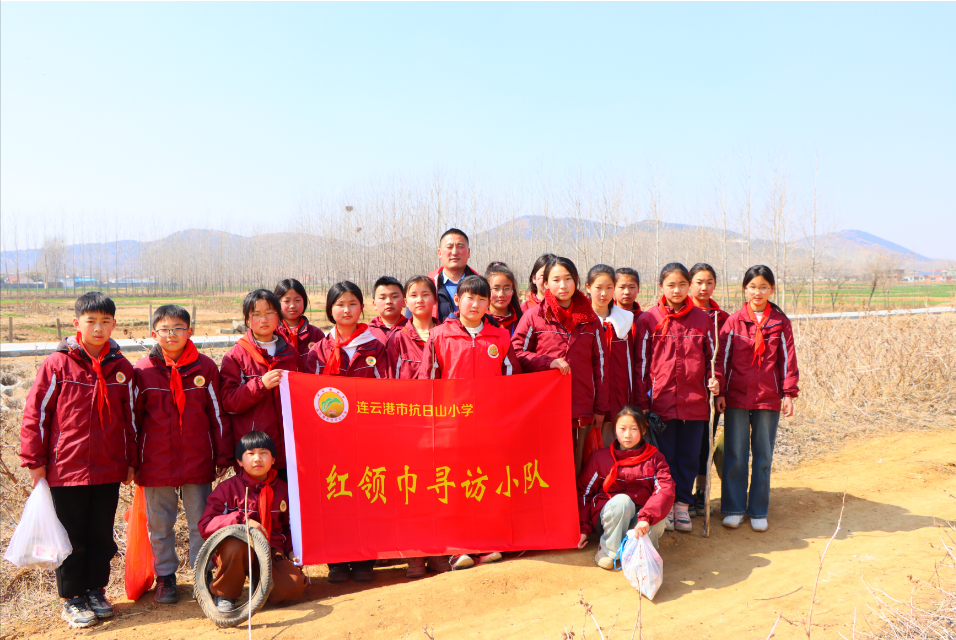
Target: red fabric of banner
x=406, y=468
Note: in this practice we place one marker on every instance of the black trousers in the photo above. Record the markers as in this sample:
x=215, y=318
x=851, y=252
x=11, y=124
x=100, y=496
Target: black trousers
x=87, y=513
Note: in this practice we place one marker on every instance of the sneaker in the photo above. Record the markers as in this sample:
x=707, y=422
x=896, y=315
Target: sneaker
x=78, y=614
x=759, y=524
x=603, y=560
x=698, y=507
x=166, y=592
x=100, y=606
x=682, y=518
x=485, y=558
x=438, y=564
x=670, y=521
x=225, y=605
x=460, y=562
x=416, y=568
x=732, y=522
x=339, y=572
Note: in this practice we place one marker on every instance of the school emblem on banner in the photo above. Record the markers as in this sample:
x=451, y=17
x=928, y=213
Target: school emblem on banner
x=120, y=377
x=331, y=404
x=199, y=381
x=493, y=351
x=370, y=361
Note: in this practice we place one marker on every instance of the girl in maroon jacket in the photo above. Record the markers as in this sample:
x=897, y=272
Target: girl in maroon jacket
x=626, y=486
x=295, y=328
x=350, y=350
x=703, y=281
x=405, y=347
x=536, y=282
x=675, y=343
x=564, y=333
x=252, y=369
x=504, y=307
x=758, y=369
x=618, y=335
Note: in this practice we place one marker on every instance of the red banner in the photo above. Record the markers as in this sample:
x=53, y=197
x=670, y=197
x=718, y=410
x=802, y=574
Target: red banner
x=406, y=468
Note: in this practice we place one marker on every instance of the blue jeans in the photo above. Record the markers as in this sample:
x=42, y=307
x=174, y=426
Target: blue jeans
x=746, y=430
x=679, y=443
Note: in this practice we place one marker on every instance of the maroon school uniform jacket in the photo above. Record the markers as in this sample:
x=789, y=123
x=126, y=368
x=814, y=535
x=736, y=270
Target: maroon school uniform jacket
x=620, y=357
x=226, y=506
x=648, y=484
x=369, y=360
x=539, y=339
x=673, y=370
x=451, y=353
x=251, y=406
x=405, y=353
x=382, y=332
x=172, y=455
x=307, y=335
x=746, y=385
x=61, y=426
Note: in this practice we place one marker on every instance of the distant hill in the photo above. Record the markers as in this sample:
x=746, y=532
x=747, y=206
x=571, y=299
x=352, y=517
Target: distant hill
x=854, y=238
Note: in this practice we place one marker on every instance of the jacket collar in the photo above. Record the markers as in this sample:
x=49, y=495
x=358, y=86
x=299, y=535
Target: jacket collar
x=621, y=320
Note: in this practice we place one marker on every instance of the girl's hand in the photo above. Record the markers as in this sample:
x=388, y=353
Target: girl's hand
x=787, y=407
x=37, y=474
x=720, y=404
x=272, y=379
x=598, y=420
x=130, y=474
x=583, y=542
x=713, y=386
x=641, y=529
x=221, y=470
x=561, y=365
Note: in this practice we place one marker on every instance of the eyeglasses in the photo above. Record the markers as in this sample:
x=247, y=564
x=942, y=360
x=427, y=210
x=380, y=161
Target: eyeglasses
x=268, y=315
x=177, y=331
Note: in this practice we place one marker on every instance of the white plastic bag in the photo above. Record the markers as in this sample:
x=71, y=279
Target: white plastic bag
x=643, y=566
x=40, y=541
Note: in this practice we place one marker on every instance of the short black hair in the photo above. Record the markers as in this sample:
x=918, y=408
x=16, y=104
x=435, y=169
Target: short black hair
x=454, y=232
x=169, y=311
x=255, y=440
x=288, y=284
x=94, y=302
x=475, y=285
x=629, y=272
x=338, y=290
x=249, y=304
x=387, y=281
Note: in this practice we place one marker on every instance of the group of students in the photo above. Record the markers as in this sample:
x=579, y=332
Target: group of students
x=640, y=406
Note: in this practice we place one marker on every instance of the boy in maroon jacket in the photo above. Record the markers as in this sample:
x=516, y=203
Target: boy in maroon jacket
x=626, y=486
x=267, y=510
x=184, y=439
x=388, y=298
x=78, y=433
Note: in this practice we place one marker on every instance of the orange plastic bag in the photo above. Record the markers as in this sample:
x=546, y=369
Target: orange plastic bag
x=139, y=554
x=592, y=442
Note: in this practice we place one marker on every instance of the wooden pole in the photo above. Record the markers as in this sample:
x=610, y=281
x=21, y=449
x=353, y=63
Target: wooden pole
x=59, y=331
x=710, y=433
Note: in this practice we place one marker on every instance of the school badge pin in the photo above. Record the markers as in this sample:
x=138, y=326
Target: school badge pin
x=493, y=351
x=120, y=377
x=370, y=361
x=311, y=344
x=199, y=381
x=283, y=506
x=331, y=404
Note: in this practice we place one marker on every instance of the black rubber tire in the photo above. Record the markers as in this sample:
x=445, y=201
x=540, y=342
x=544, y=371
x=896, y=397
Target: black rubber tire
x=204, y=562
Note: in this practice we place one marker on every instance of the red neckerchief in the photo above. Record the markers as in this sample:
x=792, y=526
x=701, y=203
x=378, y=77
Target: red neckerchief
x=189, y=355
x=246, y=343
x=292, y=335
x=611, y=478
x=101, y=397
x=608, y=333
x=669, y=314
x=505, y=322
x=580, y=311
x=759, y=344
x=265, y=501
x=335, y=360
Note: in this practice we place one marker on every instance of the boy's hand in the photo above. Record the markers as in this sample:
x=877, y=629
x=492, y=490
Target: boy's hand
x=561, y=365
x=293, y=559
x=598, y=420
x=130, y=474
x=720, y=404
x=36, y=474
x=641, y=529
x=713, y=386
x=253, y=524
x=788, y=407
x=583, y=542
x=221, y=470
x=272, y=379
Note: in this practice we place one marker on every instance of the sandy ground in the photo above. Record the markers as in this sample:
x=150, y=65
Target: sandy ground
x=732, y=585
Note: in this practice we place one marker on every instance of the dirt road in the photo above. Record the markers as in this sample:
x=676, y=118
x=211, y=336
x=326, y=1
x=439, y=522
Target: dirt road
x=727, y=586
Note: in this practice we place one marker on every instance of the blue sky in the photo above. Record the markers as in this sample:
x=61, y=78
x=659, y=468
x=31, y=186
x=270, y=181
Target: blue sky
x=188, y=112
